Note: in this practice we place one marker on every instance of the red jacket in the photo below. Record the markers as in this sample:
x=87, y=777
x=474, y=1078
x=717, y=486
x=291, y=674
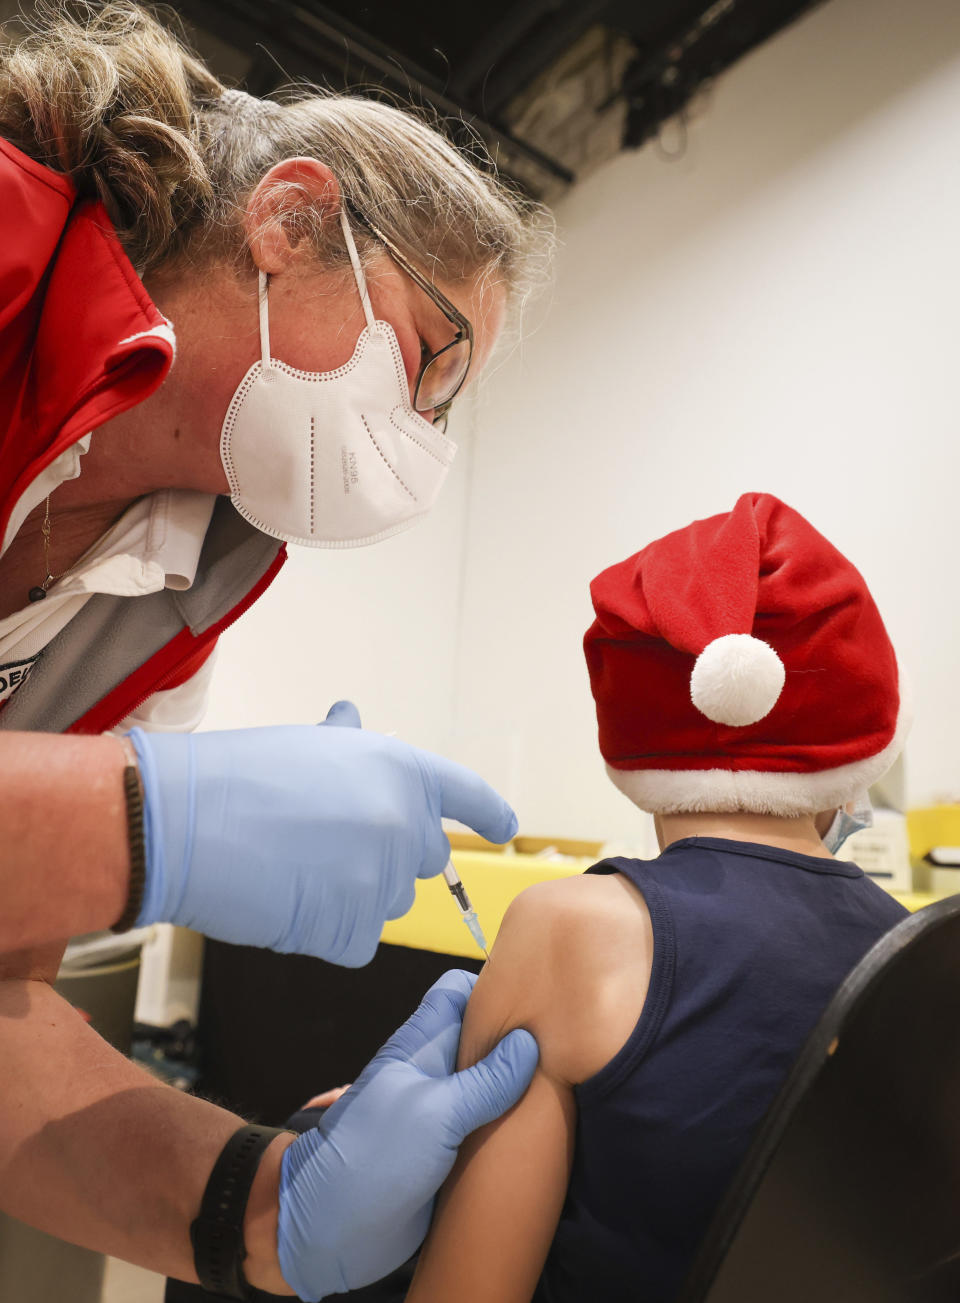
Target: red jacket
x=80, y=342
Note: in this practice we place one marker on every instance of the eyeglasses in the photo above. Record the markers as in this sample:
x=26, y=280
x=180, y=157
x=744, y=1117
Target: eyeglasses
x=441, y=374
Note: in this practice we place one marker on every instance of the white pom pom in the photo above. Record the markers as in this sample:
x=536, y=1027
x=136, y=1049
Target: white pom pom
x=737, y=680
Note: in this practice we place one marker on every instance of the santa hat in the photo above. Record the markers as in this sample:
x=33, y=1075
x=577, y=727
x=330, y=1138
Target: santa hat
x=741, y=664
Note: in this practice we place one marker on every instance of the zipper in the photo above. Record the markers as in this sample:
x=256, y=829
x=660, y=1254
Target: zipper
x=164, y=679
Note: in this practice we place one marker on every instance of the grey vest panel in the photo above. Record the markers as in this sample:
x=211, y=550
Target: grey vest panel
x=111, y=637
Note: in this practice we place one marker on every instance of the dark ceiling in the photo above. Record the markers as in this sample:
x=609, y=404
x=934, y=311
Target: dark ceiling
x=477, y=64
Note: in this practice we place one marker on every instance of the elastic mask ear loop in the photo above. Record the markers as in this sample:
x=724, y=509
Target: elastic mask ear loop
x=264, y=324
x=357, y=270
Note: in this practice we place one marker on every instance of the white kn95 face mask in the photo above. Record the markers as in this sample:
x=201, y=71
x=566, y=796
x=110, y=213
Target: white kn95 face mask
x=332, y=458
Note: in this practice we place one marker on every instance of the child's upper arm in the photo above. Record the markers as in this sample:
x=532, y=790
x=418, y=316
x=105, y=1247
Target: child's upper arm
x=571, y=963
x=557, y=969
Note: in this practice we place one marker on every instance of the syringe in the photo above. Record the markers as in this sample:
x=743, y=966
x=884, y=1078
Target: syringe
x=457, y=890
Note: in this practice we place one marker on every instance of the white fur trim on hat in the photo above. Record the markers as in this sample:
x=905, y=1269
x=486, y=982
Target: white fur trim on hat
x=737, y=680
x=725, y=791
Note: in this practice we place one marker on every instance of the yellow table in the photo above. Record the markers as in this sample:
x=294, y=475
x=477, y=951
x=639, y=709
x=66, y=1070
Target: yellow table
x=492, y=880
x=914, y=900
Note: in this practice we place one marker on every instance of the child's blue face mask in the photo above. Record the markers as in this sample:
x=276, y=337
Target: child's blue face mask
x=847, y=822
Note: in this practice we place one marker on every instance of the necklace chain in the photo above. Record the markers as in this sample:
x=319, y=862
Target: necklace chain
x=45, y=529
x=37, y=594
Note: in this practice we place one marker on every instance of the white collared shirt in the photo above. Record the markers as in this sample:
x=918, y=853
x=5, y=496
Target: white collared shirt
x=155, y=544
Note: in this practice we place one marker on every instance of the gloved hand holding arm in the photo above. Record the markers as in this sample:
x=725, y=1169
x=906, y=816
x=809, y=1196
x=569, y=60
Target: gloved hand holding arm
x=356, y=1192
x=299, y=838
x=103, y=1154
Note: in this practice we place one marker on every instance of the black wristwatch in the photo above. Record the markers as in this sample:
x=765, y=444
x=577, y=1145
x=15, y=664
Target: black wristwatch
x=217, y=1233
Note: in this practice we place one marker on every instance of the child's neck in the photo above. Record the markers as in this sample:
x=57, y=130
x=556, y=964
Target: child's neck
x=797, y=834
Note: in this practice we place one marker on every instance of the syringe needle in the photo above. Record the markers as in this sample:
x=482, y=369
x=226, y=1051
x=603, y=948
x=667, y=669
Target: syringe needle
x=473, y=923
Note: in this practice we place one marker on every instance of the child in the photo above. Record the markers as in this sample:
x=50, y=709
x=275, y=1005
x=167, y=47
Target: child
x=746, y=693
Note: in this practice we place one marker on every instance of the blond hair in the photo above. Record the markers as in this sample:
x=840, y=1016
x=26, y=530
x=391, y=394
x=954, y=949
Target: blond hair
x=110, y=96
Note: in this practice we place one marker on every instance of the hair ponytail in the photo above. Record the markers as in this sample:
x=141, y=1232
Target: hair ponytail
x=107, y=95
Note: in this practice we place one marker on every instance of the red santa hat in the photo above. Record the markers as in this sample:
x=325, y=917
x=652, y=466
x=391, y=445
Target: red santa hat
x=741, y=664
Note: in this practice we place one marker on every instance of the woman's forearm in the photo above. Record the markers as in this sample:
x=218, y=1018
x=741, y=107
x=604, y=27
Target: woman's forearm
x=96, y=1151
x=65, y=863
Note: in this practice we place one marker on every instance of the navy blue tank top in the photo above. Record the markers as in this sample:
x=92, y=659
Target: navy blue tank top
x=750, y=943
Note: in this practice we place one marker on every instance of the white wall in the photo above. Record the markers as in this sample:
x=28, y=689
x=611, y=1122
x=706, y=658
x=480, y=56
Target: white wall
x=774, y=312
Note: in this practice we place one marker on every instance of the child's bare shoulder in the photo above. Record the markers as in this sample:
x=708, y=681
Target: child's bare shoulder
x=583, y=912
x=574, y=956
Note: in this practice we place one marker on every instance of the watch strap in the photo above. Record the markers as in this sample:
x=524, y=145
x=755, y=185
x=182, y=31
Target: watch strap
x=217, y=1232
x=133, y=797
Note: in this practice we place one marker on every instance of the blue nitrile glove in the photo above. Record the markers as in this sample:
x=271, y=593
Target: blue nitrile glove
x=356, y=1192
x=299, y=838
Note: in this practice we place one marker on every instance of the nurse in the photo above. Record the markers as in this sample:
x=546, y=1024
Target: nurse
x=205, y=294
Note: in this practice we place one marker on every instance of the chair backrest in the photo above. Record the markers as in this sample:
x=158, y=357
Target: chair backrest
x=850, y=1192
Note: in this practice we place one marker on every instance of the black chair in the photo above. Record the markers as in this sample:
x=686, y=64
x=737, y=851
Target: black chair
x=850, y=1192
